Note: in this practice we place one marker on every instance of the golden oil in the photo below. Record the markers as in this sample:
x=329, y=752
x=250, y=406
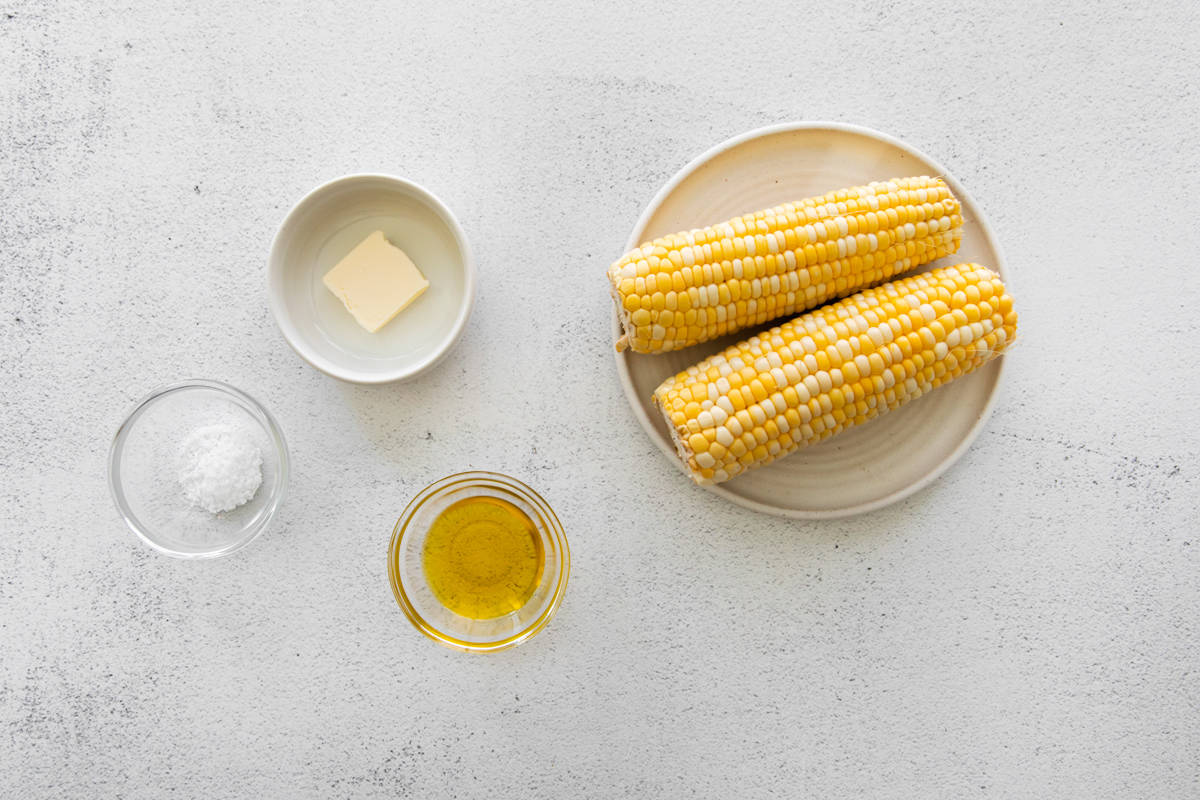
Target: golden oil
x=483, y=557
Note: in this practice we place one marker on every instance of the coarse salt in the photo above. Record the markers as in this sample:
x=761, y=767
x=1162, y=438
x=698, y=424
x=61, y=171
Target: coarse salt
x=220, y=467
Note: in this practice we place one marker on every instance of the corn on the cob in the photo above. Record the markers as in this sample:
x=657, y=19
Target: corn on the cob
x=700, y=284
x=834, y=367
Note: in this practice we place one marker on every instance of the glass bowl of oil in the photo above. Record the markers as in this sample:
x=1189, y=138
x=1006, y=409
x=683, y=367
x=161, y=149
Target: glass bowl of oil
x=478, y=561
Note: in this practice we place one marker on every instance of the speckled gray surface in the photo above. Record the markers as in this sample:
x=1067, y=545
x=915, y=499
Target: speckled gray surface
x=1026, y=627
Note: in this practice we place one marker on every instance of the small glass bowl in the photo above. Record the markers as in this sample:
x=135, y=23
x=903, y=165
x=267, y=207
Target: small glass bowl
x=409, y=584
x=143, y=470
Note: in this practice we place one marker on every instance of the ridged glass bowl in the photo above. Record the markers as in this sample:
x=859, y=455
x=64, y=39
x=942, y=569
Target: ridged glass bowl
x=413, y=593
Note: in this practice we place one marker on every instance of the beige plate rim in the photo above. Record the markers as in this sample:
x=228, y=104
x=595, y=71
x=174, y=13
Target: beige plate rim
x=640, y=408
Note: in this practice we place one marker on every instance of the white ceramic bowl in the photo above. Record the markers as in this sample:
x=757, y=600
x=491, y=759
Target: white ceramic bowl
x=871, y=465
x=326, y=225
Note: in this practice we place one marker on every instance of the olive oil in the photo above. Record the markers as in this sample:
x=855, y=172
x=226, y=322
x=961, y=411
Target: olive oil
x=483, y=557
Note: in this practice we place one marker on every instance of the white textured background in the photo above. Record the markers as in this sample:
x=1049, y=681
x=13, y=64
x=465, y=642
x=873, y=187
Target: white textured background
x=1027, y=627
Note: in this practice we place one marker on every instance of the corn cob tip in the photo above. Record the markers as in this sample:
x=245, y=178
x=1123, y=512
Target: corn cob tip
x=682, y=449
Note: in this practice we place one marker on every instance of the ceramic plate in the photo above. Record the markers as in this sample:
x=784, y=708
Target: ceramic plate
x=888, y=458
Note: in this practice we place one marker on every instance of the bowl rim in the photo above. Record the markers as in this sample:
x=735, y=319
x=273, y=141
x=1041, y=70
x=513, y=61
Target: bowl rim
x=116, y=448
x=479, y=478
x=330, y=367
x=637, y=234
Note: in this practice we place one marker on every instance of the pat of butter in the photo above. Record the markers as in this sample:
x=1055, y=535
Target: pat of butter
x=376, y=281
